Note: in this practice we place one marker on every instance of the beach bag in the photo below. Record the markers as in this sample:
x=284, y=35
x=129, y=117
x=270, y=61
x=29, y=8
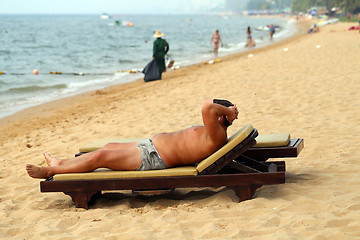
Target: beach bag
x=169, y=62
x=151, y=71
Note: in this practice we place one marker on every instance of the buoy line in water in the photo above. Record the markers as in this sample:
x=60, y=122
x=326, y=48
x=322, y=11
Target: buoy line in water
x=70, y=73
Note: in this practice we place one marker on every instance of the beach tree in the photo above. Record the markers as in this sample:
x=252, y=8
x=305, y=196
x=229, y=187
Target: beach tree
x=268, y=4
x=352, y=6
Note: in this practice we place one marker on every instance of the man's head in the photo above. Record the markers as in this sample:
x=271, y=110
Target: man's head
x=225, y=103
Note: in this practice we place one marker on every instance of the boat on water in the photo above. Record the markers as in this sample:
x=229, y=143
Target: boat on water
x=262, y=28
x=105, y=16
x=328, y=21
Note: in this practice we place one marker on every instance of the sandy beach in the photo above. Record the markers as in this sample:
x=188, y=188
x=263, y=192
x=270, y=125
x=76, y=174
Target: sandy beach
x=307, y=86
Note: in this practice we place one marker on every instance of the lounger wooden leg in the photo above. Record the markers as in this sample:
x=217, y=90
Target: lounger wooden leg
x=243, y=192
x=81, y=199
x=254, y=188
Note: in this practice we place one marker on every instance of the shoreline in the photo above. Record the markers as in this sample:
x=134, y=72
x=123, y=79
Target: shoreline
x=302, y=27
x=57, y=87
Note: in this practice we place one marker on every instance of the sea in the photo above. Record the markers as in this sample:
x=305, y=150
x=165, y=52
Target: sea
x=79, y=53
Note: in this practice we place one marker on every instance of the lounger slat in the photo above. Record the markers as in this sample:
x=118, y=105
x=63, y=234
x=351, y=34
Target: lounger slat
x=261, y=166
x=242, y=168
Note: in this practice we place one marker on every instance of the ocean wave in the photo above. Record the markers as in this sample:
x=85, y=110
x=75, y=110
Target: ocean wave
x=126, y=61
x=35, y=88
x=43, y=47
x=2, y=83
x=76, y=86
x=5, y=52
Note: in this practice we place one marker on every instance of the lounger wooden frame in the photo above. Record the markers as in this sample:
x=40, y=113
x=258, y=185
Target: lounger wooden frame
x=230, y=170
x=292, y=149
x=253, y=160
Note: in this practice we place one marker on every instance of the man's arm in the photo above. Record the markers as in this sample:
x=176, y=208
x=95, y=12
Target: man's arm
x=167, y=48
x=154, y=48
x=211, y=112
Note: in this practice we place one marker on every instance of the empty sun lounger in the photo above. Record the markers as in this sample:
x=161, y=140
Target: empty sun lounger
x=223, y=168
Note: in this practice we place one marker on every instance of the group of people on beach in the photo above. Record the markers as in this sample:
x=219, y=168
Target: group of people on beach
x=250, y=42
x=161, y=46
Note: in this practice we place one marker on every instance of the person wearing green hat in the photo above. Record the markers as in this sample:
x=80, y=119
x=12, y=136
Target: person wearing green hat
x=160, y=48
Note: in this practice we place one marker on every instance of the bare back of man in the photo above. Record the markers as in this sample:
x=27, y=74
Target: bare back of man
x=187, y=146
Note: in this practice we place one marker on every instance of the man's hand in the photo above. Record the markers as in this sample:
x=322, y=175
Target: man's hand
x=233, y=114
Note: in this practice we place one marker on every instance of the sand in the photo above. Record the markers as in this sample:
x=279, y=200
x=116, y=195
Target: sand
x=310, y=90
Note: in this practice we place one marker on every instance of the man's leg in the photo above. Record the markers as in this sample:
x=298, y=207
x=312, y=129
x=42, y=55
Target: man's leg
x=119, y=159
x=53, y=161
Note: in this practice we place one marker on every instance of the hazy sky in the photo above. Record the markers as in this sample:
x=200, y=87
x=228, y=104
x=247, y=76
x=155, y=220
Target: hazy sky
x=107, y=6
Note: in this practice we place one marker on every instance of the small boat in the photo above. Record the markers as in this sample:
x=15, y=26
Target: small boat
x=262, y=28
x=105, y=16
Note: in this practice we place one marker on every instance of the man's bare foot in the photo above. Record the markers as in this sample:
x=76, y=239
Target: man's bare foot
x=38, y=172
x=51, y=161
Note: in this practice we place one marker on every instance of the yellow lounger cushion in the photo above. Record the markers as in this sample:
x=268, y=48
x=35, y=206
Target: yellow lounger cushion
x=109, y=174
x=272, y=140
x=234, y=140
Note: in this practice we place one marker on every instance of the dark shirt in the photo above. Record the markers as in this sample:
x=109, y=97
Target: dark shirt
x=160, y=48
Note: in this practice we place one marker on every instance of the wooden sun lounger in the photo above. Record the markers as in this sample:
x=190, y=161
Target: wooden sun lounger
x=228, y=170
x=267, y=146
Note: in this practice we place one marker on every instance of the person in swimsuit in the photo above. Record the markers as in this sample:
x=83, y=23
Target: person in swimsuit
x=216, y=40
x=184, y=147
x=249, y=40
x=271, y=31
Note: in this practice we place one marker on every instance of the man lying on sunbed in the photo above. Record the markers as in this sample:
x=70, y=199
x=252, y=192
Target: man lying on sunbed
x=164, y=150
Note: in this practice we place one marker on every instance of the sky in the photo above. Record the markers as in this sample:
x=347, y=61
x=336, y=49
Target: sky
x=107, y=6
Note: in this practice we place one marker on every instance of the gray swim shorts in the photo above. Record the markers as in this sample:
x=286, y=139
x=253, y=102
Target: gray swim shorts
x=150, y=158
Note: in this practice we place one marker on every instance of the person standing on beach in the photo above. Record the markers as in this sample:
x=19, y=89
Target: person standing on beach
x=249, y=40
x=216, y=40
x=164, y=150
x=271, y=31
x=160, y=48
x=359, y=20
